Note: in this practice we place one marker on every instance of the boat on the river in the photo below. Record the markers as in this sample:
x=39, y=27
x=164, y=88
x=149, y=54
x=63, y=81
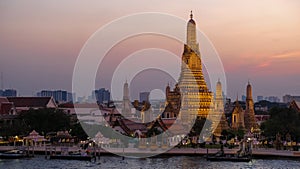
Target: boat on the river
x=243, y=155
x=13, y=154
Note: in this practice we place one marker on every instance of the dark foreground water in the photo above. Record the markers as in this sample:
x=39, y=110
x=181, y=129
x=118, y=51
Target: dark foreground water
x=40, y=162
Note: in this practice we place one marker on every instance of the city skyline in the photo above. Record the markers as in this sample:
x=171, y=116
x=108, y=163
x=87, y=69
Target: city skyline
x=263, y=42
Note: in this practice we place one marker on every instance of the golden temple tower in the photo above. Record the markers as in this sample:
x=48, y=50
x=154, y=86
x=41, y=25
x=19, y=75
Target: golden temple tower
x=196, y=98
x=250, y=122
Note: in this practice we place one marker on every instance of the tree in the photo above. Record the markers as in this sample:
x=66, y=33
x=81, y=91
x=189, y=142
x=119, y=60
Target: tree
x=45, y=120
x=283, y=121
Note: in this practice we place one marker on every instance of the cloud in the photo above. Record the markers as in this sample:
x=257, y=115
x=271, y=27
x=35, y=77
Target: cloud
x=287, y=54
x=264, y=64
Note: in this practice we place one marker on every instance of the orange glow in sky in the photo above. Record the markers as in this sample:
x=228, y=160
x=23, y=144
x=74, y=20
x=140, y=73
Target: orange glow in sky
x=256, y=39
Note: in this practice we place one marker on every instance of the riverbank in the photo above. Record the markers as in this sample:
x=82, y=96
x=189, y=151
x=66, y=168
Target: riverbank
x=135, y=152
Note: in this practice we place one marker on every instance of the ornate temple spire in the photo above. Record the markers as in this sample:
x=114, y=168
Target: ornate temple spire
x=250, y=121
x=196, y=99
x=249, y=91
x=191, y=35
x=126, y=105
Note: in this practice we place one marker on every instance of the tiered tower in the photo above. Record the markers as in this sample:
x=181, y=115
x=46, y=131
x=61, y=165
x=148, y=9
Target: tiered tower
x=126, y=105
x=250, y=122
x=219, y=119
x=196, y=98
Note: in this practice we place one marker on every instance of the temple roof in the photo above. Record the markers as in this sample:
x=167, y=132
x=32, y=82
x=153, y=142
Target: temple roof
x=31, y=101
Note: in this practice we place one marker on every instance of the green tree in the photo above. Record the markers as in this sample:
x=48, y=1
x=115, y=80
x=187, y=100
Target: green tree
x=283, y=121
x=45, y=120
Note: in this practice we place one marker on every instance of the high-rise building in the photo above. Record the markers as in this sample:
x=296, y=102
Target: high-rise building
x=260, y=98
x=244, y=98
x=274, y=99
x=8, y=93
x=289, y=98
x=196, y=98
x=60, y=96
x=102, y=95
x=144, y=96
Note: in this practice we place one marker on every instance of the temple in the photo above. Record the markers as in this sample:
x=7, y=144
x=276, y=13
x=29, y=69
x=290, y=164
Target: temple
x=196, y=99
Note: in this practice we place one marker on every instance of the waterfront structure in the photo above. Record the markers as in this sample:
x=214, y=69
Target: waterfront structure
x=196, y=99
x=250, y=122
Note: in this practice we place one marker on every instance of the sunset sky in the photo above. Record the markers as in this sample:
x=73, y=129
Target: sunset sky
x=257, y=40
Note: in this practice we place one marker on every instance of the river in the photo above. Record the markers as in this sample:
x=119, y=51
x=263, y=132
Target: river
x=107, y=162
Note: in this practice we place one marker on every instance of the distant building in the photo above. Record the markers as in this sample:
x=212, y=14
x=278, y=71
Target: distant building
x=288, y=98
x=243, y=98
x=102, y=95
x=237, y=121
x=260, y=98
x=263, y=107
x=6, y=107
x=8, y=113
x=295, y=105
x=144, y=96
x=261, y=118
x=60, y=96
x=272, y=99
x=8, y=93
x=25, y=103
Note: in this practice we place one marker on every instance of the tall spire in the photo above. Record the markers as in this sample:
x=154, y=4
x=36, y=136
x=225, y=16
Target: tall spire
x=250, y=121
x=126, y=106
x=249, y=91
x=195, y=96
x=191, y=35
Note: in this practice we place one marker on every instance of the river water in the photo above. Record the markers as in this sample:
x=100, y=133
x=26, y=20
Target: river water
x=39, y=162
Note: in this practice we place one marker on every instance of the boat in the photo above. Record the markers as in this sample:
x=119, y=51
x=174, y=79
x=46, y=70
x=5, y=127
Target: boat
x=13, y=154
x=243, y=155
